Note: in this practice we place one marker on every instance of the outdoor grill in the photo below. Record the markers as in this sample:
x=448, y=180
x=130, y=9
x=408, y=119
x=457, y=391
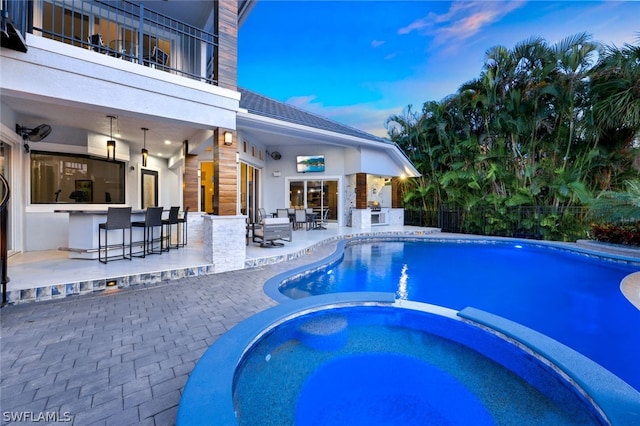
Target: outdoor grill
x=374, y=206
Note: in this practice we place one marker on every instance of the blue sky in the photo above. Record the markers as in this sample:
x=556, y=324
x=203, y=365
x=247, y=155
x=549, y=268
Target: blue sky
x=358, y=62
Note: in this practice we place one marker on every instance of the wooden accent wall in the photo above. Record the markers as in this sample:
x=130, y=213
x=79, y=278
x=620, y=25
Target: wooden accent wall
x=396, y=193
x=361, y=190
x=190, y=182
x=226, y=54
x=225, y=172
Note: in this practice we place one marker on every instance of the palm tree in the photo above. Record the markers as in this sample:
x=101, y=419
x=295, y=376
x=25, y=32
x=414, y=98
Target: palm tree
x=615, y=84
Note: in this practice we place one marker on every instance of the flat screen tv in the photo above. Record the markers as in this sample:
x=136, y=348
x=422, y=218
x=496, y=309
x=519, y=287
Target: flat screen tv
x=310, y=163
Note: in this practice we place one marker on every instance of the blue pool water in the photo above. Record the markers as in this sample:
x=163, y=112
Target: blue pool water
x=388, y=366
x=571, y=297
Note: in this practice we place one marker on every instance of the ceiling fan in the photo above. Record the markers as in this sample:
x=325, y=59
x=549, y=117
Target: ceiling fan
x=33, y=135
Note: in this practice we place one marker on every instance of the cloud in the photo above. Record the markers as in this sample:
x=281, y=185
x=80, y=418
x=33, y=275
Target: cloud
x=377, y=43
x=302, y=101
x=463, y=20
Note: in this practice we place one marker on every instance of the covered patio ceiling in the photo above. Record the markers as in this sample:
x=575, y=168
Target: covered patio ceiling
x=31, y=113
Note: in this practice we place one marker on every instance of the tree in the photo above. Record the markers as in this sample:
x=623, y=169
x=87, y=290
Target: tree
x=542, y=124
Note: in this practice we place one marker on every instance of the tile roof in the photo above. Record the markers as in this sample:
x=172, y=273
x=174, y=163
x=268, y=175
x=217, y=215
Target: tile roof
x=267, y=107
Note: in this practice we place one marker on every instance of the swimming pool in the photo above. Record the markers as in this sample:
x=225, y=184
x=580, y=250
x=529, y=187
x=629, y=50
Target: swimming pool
x=569, y=295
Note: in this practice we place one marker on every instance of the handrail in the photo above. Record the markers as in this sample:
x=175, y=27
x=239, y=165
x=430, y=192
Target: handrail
x=195, y=48
x=6, y=195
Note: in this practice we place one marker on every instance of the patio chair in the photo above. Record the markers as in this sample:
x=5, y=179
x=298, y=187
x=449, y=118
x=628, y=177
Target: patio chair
x=152, y=220
x=117, y=218
x=157, y=58
x=182, y=228
x=300, y=219
x=168, y=223
x=96, y=44
x=282, y=213
x=262, y=214
x=251, y=226
x=271, y=230
x=321, y=221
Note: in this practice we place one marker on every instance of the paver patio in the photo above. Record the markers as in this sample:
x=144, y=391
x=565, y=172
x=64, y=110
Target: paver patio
x=122, y=358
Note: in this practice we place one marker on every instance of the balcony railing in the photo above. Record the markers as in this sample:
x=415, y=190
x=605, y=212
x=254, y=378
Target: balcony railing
x=130, y=32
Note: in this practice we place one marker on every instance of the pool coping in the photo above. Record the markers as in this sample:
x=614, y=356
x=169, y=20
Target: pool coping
x=206, y=396
x=614, y=397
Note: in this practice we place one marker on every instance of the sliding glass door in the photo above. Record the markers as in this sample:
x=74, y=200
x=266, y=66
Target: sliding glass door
x=318, y=195
x=249, y=190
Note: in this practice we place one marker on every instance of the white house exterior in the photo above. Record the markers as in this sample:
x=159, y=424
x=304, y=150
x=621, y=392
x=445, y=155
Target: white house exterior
x=171, y=68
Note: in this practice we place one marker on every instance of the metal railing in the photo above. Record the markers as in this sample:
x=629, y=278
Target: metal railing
x=5, y=195
x=131, y=32
x=530, y=222
x=17, y=15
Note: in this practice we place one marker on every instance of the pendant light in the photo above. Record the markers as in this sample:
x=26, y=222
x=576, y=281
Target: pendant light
x=145, y=153
x=111, y=144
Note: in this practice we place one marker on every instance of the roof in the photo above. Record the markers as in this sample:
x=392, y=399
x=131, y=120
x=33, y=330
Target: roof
x=258, y=104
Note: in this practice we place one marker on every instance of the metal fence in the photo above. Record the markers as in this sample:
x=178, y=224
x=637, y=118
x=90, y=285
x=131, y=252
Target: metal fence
x=530, y=222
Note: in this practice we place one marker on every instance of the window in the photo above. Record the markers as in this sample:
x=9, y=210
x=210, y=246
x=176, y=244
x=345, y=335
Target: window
x=74, y=178
x=249, y=190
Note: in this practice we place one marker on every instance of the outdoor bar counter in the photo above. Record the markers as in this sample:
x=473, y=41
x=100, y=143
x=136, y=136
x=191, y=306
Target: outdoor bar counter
x=83, y=231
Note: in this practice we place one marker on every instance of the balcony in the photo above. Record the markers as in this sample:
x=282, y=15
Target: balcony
x=130, y=32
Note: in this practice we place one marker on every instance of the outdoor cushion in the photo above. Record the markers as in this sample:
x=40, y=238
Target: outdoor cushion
x=274, y=220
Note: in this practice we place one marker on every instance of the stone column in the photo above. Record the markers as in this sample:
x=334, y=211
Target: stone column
x=225, y=243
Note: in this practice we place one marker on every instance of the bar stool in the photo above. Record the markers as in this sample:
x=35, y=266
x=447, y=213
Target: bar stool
x=182, y=226
x=152, y=220
x=117, y=218
x=168, y=223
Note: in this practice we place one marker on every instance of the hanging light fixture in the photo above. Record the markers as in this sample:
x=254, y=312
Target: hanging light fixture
x=111, y=144
x=145, y=153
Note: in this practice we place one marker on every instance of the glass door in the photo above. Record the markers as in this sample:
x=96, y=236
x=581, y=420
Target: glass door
x=249, y=190
x=315, y=194
x=149, y=190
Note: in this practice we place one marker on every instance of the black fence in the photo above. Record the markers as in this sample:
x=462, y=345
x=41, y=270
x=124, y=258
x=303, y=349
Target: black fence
x=530, y=222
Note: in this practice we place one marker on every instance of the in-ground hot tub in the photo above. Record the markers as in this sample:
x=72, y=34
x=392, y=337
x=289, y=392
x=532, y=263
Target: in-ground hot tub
x=366, y=358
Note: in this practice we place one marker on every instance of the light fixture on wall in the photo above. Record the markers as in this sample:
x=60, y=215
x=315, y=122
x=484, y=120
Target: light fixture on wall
x=228, y=138
x=144, y=151
x=111, y=144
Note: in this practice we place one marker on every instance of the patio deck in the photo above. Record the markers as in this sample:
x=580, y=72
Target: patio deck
x=46, y=275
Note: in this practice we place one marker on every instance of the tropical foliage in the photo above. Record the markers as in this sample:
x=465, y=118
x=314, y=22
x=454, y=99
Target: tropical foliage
x=543, y=124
